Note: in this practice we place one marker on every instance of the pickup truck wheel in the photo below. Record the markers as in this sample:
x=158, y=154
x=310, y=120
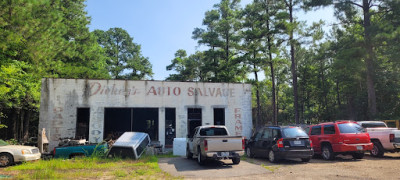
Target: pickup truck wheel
x=189, y=155
x=358, y=155
x=249, y=153
x=377, y=150
x=236, y=160
x=6, y=159
x=327, y=152
x=200, y=158
x=272, y=157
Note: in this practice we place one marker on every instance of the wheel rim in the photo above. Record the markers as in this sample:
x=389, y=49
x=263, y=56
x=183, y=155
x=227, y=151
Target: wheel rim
x=271, y=156
x=374, y=150
x=248, y=152
x=326, y=153
x=4, y=160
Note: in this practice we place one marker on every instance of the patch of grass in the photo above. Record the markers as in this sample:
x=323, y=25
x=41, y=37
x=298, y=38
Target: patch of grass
x=120, y=173
x=270, y=168
x=89, y=168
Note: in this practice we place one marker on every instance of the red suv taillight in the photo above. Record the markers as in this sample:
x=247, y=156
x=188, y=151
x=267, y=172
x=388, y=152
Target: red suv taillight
x=391, y=137
x=205, y=145
x=311, y=143
x=279, y=143
x=243, y=143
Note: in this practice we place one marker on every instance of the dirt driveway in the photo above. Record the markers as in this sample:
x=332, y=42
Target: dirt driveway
x=343, y=167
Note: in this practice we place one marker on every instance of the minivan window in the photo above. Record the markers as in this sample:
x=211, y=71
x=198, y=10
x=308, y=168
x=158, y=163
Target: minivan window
x=329, y=129
x=348, y=128
x=267, y=133
x=293, y=132
x=316, y=130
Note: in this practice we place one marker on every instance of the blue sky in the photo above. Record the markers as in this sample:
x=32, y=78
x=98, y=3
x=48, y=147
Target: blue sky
x=164, y=26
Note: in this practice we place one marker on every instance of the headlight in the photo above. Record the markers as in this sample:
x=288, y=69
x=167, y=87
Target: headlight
x=25, y=151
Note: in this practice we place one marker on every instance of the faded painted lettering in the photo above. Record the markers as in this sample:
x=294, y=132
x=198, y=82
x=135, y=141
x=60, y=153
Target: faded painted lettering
x=238, y=121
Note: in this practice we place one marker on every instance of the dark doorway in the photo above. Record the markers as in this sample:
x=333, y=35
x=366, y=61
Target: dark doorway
x=146, y=120
x=219, y=116
x=194, y=120
x=120, y=120
x=170, y=133
x=116, y=122
x=82, y=123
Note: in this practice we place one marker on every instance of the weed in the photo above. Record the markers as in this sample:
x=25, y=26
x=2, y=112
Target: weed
x=120, y=173
x=270, y=168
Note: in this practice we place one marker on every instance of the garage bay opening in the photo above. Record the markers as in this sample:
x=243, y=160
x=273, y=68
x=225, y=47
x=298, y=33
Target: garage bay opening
x=120, y=120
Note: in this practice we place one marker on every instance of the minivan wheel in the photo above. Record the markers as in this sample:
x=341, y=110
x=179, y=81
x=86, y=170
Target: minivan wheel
x=377, y=150
x=249, y=153
x=272, y=157
x=327, y=152
x=358, y=155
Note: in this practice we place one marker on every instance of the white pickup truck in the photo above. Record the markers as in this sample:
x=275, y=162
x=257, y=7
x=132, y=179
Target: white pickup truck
x=214, y=142
x=385, y=139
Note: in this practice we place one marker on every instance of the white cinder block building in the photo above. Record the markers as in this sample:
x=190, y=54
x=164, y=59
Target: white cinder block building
x=103, y=109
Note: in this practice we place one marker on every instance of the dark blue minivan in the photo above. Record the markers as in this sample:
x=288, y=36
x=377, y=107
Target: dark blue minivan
x=280, y=142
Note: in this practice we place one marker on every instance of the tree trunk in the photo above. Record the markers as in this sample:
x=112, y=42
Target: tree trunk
x=274, y=109
x=293, y=66
x=14, y=119
x=28, y=115
x=369, y=60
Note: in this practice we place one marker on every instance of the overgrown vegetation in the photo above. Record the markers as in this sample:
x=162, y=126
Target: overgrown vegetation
x=90, y=168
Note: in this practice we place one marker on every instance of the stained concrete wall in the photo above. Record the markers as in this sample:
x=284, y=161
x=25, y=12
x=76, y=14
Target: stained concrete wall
x=60, y=99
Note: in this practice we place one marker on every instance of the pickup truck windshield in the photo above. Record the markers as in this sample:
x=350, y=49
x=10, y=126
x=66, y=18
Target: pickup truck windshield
x=293, y=133
x=348, y=128
x=213, y=132
x=373, y=125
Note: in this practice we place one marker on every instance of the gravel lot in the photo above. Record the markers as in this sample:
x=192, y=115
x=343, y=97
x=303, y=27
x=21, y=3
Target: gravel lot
x=343, y=167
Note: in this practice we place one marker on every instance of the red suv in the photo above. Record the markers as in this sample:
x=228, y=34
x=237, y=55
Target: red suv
x=340, y=137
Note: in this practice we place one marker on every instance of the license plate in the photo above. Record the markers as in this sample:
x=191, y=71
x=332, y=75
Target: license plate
x=297, y=142
x=359, y=148
x=224, y=154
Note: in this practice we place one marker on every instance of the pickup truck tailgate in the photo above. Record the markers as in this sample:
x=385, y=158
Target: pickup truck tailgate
x=224, y=143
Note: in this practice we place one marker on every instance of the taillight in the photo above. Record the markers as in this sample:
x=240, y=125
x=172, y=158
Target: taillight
x=54, y=151
x=391, y=137
x=280, y=143
x=205, y=145
x=311, y=143
x=243, y=144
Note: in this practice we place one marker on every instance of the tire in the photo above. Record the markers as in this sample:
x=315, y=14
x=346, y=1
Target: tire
x=358, y=155
x=305, y=159
x=200, y=158
x=6, y=159
x=377, y=150
x=249, y=153
x=272, y=157
x=189, y=155
x=327, y=152
x=236, y=160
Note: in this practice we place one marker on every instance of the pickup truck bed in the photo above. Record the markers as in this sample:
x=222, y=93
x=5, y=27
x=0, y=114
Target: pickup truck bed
x=80, y=150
